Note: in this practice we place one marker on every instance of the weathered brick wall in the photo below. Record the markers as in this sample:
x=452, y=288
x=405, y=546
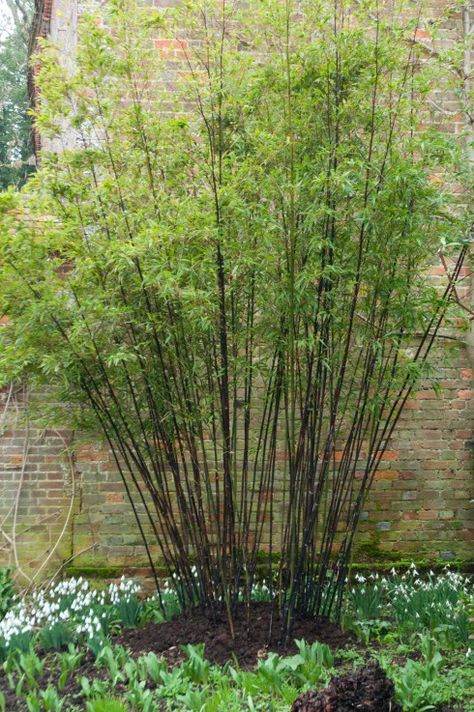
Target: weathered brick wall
x=419, y=508
x=37, y=491
x=421, y=503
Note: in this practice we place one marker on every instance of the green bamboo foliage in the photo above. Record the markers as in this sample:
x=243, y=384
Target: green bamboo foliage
x=226, y=279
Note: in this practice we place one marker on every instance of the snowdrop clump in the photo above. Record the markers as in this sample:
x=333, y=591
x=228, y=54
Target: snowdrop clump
x=70, y=604
x=91, y=626
x=432, y=601
x=16, y=623
x=125, y=589
x=261, y=591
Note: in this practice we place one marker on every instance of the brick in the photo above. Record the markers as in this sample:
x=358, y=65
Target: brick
x=421, y=34
x=427, y=514
x=16, y=459
x=426, y=395
x=172, y=43
x=386, y=475
x=114, y=498
x=390, y=455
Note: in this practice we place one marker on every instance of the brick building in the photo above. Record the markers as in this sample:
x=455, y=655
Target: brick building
x=56, y=508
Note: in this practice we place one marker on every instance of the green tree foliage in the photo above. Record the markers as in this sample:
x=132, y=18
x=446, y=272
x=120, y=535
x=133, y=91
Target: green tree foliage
x=15, y=123
x=226, y=278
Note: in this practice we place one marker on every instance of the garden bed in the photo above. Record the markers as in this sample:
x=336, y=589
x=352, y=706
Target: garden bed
x=403, y=645
x=170, y=638
x=249, y=644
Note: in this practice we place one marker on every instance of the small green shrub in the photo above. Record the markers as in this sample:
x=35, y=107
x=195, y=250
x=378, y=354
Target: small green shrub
x=51, y=700
x=196, y=667
x=106, y=704
x=68, y=662
x=30, y=666
x=150, y=666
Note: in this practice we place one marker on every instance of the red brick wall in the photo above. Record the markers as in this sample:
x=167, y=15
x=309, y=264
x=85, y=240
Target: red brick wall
x=37, y=487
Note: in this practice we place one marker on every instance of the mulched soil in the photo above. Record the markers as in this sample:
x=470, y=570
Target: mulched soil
x=402, y=660
x=249, y=644
x=366, y=690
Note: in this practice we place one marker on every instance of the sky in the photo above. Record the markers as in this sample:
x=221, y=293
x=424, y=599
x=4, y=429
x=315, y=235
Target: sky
x=5, y=19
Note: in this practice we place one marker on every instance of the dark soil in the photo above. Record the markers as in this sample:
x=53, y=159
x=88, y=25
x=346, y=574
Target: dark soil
x=366, y=690
x=250, y=642
x=402, y=660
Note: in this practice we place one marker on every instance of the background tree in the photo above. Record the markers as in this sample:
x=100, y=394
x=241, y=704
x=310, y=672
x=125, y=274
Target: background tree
x=16, y=150
x=227, y=278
